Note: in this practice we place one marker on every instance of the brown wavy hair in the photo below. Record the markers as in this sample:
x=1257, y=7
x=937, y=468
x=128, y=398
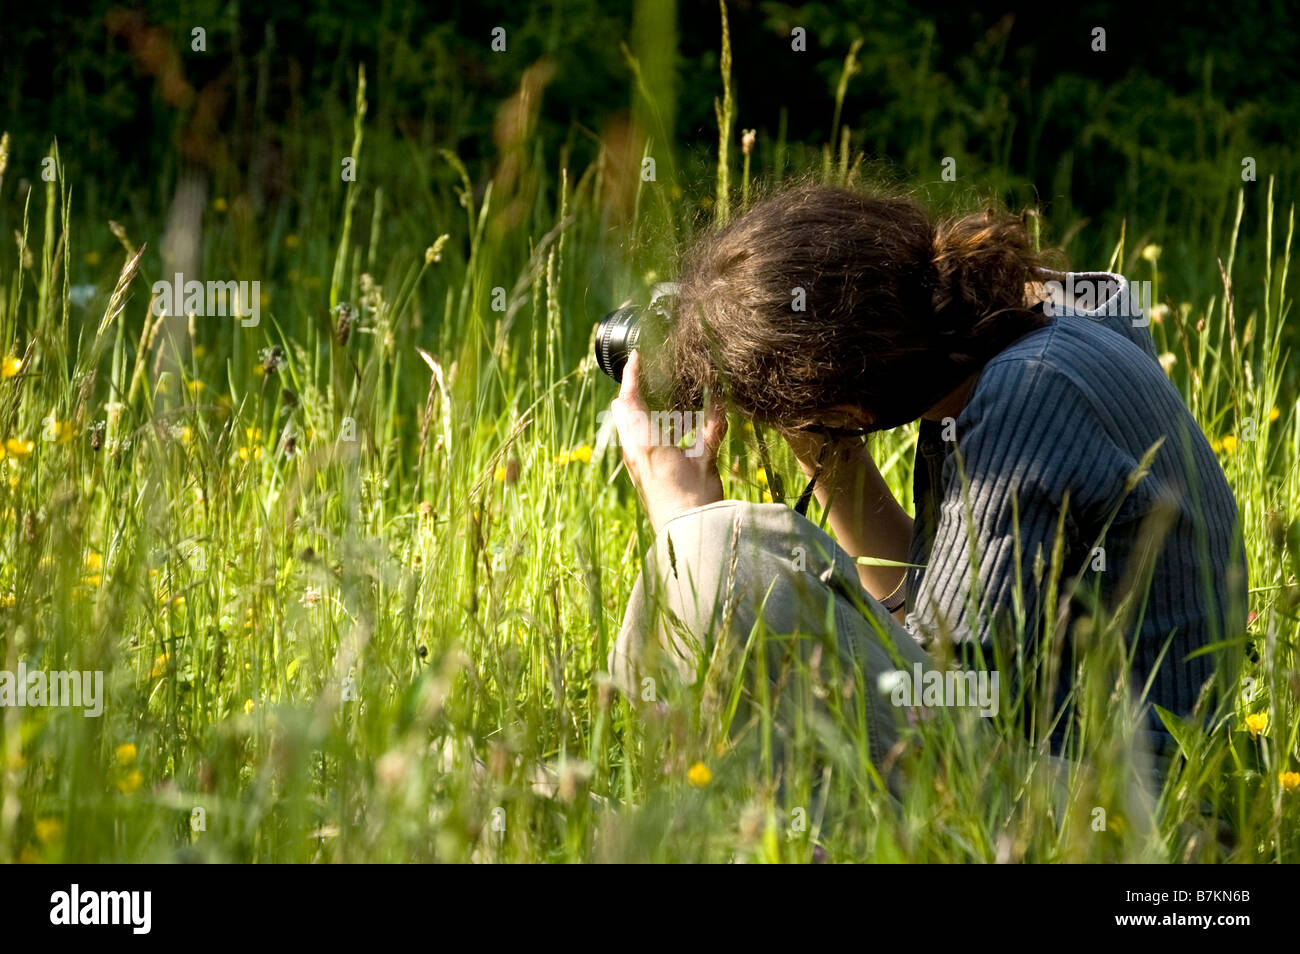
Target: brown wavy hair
x=898, y=307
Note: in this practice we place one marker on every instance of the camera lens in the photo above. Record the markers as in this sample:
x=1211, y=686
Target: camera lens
x=616, y=338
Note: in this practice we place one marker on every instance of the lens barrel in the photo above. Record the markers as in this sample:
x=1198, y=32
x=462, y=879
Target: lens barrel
x=616, y=338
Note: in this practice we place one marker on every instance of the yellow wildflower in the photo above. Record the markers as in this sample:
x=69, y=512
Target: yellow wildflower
x=56, y=430
x=126, y=753
x=219, y=204
x=580, y=454
x=699, y=775
x=1229, y=443
x=48, y=830
x=249, y=706
x=1256, y=722
x=1274, y=414
x=130, y=782
x=10, y=365
x=160, y=665
x=1289, y=781
x=17, y=448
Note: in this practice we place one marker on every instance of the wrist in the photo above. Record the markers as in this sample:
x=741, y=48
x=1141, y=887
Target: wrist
x=664, y=510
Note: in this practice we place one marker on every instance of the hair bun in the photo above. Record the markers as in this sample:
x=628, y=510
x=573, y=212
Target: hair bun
x=982, y=263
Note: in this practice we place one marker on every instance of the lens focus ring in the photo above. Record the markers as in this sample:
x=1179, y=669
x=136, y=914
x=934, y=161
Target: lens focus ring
x=615, y=339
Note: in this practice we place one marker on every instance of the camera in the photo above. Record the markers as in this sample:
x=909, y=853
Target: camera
x=616, y=338
x=620, y=332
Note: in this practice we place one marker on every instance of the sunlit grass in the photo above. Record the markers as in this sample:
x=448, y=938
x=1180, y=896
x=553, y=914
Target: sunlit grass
x=353, y=574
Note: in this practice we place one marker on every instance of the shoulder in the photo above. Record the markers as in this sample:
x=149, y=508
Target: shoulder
x=1073, y=381
x=1067, y=385
x=1107, y=299
x=1086, y=355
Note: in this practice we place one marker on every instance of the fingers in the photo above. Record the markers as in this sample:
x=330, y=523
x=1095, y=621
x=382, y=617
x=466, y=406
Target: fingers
x=630, y=389
x=807, y=447
x=637, y=431
x=632, y=424
x=630, y=417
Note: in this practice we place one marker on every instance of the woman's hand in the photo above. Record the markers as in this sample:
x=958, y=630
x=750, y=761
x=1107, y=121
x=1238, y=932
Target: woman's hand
x=844, y=456
x=807, y=448
x=866, y=518
x=668, y=478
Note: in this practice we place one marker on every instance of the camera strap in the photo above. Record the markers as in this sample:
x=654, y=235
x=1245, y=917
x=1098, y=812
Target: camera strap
x=805, y=498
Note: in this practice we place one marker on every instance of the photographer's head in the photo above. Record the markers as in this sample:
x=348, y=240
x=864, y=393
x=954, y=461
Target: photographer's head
x=823, y=305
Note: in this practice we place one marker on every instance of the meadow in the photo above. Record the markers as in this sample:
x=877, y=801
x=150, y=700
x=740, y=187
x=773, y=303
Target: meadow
x=352, y=573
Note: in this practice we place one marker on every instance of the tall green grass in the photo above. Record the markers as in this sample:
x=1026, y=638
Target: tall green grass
x=353, y=574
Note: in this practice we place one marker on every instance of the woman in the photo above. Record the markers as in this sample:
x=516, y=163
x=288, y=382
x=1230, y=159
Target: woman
x=1045, y=423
